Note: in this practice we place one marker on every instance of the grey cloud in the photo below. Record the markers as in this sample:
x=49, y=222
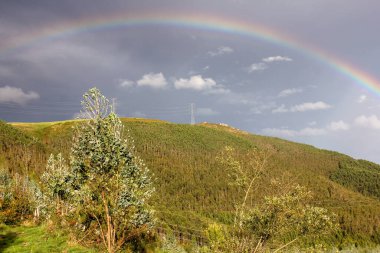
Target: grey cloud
x=16, y=95
x=60, y=68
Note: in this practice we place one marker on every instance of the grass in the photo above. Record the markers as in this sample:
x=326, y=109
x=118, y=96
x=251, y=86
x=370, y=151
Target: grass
x=35, y=239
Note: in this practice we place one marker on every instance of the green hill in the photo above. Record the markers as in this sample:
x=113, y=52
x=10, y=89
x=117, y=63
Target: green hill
x=192, y=188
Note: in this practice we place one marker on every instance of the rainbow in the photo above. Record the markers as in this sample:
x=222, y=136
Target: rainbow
x=197, y=21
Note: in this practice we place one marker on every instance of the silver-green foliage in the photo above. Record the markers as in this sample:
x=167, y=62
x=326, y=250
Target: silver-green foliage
x=106, y=187
x=18, y=197
x=55, y=182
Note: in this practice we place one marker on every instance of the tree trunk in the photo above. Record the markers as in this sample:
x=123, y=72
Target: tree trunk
x=110, y=232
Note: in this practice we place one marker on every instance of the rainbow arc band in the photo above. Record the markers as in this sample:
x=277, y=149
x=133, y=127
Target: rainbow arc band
x=200, y=21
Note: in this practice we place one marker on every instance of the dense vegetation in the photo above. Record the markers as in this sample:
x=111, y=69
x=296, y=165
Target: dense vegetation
x=20, y=152
x=193, y=189
x=360, y=175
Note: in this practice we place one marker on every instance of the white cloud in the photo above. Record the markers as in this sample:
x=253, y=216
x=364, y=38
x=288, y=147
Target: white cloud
x=218, y=90
x=303, y=107
x=308, y=131
x=16, y=95
x=221, y=51
x=263, y=64
x=362, y=99
x=368, y=121
x=338, y=126
x=260, y=107
x=310, y=107
x=257, y=67
x=278, y=132
x=125, y=83
x=288, y=92
x=277, y=58
x=334, y=126
x=208, y=86
x=206, y=112
x=195, y=82
x=280, y=109
x=154, y=80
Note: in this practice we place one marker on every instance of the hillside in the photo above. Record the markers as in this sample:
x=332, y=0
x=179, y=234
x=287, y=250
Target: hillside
x=192, y=188
x=20, y=151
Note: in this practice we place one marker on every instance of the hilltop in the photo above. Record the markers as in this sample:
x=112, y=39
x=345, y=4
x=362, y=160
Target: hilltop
x=192, y=189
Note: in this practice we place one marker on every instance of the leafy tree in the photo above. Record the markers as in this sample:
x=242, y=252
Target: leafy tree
x=55, y=181
x=288, y=215
x=107, y=186
x=284, y=215
x=244, y=175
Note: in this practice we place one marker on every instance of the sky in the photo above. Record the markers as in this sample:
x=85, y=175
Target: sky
x=302, y=70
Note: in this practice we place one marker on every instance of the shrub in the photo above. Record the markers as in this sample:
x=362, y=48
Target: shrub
x=17, y=197
x=103, y=193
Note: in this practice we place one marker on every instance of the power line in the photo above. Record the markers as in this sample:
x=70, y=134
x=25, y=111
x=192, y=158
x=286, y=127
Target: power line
x=69, y=108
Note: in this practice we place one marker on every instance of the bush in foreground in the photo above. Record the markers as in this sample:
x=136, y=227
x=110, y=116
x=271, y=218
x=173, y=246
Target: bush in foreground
x=103, y=194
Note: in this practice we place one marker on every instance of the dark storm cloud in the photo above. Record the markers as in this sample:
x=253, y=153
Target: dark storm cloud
x=45, y=80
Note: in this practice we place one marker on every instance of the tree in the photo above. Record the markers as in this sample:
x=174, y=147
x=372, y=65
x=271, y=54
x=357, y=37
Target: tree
x=280, y=217
x=108, y=184
x=288, y=215
x=56, y=188
x=244, y=175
